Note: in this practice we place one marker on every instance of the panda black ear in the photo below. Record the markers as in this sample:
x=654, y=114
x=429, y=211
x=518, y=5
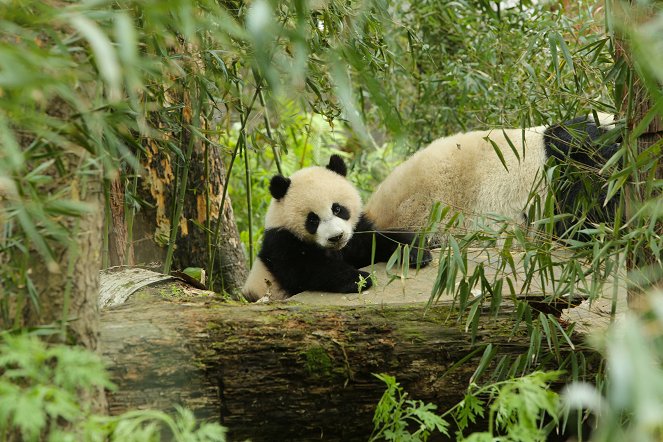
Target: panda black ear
x=337, y=165
x=278, y=186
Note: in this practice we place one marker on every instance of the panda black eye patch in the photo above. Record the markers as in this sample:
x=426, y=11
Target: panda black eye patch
x=340, y=211
x=312, y=222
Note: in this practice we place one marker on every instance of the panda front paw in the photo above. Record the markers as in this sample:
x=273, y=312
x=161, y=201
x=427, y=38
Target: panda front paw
x=426, y=257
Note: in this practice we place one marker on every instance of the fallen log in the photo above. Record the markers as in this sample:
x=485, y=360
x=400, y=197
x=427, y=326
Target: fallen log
x=289, y=371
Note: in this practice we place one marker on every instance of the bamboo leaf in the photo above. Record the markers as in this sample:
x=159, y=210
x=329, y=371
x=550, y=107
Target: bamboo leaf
x=511, y=146
x=565, y=52
x=486, y=359
x=105, y=55
x=497, y=150
x=457, y=255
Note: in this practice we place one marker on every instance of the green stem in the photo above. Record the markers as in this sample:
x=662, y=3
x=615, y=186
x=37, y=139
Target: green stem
x=208, y=203
x=308, y=133
x=179, y=203
x=130, y=215
x=105, y=252
x=247, y=176
x=268, y=127
x=241, y=139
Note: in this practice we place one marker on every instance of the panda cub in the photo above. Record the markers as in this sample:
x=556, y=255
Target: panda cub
x=316, y=237
x=464, y=172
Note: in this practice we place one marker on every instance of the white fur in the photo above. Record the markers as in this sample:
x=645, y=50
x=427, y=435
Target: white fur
x=331, y=227
x=604, y=120
x=315, y=189
x=464, y=172
x=261, y=282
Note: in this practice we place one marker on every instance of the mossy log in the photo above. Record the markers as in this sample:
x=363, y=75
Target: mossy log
x=287, y=371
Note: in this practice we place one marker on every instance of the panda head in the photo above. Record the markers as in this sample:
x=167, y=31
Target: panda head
x=316, y=204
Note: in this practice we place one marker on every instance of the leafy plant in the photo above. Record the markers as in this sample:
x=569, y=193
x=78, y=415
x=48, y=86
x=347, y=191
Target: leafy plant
x=629, y=404
x=46, y=393
x=519, y=405
x=515, y=408
x=374, y=81
x=395, y=415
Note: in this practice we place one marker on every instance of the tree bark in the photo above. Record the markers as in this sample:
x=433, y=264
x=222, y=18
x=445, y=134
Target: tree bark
x=637, y=99
x=294, y=372
x=203, y=174
x=202, y=211
x=69, y=291
x=121, y=250
x=66, y=284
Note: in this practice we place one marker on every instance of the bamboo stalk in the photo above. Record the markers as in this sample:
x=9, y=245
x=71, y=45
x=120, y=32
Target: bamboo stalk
x=268, y=127
x=247, y=178
x=241, y=140
x=105, y=251
x=179, y=202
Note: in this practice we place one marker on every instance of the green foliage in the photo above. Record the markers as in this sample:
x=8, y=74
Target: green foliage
x=196, y=273
x=73, y=106
x=280, y=85
x=39, y=384
x=395, y=416
x=149, y=425
x=519, y=405
x=629, y=404
x=45, y=394
x=469, y=64
x=515, y=409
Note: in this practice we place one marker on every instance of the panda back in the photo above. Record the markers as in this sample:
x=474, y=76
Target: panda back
x=462, y=171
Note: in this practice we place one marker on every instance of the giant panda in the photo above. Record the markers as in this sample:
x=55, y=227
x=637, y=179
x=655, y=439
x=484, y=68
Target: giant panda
x=464, y=172
x=316, y=237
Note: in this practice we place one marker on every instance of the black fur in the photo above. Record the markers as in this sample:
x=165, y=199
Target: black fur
x=359, y=250
x=336, y=164
x=578, y=140
x=312, y=223
x=581, y=147
x=278, y=186
x=299, y=266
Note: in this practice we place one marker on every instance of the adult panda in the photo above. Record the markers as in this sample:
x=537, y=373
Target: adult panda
x=464, y=172
x=316, y=237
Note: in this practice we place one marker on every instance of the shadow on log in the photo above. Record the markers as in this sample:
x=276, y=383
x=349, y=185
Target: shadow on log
x=287, y=371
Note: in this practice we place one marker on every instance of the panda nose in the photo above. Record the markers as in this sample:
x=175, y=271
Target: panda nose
x=335, y=239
